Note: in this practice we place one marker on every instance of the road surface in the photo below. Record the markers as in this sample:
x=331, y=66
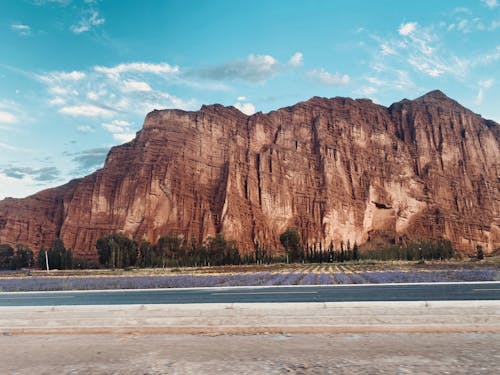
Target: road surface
x=276, y=294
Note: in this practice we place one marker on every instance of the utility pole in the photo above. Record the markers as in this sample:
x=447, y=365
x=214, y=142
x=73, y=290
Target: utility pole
x=47, y=260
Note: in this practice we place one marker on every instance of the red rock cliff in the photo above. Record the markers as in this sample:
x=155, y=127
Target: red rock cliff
x=337, y=169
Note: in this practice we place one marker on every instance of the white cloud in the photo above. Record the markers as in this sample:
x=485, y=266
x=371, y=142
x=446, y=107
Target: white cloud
x=367, y=90
x=421, y=48
x=487, y=83
x=327, y=78
x=241, y=98
x=256, y=68
x=87, y=22
x=387, y=50
x=375, y=81
x=495, y=24
x=137, y=67
x=112, y=128
x=92, y=95
x=8, y=118
x=72, y=76
x=486, y=58
x=483, y=86
x=96, y=95
x=124, y=137
x=428, y=66
x=117, y=126
x=106, y=92
x=480, y=96
x=86, y=110
x=8, y=147
x=131, y=86
x=490, y=3
x=21, y=29
x=407, y=28
x=57, y=101
x=296, y=59
x=16, y=188
x=122, y=123
x=44, y=2
x=389, y=79
x=58, y=90
x=246, y=108
x=61, y=78
x=85, y=129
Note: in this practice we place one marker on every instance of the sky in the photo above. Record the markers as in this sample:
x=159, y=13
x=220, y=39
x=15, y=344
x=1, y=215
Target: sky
x=78, y=77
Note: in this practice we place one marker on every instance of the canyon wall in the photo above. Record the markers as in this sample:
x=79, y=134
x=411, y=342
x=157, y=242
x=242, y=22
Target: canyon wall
x=337, y=169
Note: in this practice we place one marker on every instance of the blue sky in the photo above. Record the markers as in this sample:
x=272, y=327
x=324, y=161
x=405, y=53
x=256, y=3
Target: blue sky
x=77, y=77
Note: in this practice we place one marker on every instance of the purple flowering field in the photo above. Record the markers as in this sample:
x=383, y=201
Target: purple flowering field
x=35, y=283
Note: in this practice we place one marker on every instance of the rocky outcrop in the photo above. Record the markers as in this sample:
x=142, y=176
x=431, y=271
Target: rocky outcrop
x=337, y=169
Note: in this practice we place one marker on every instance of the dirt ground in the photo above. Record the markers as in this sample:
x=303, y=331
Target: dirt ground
x=376, y=353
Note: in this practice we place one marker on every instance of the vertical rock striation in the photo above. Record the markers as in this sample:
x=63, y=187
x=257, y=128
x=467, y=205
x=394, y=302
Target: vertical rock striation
x=337, y=169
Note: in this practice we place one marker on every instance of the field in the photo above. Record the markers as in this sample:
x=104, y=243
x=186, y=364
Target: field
x=253, y=275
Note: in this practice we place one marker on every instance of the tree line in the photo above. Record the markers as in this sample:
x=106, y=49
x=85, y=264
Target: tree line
x=118, y=251
x=14, y=259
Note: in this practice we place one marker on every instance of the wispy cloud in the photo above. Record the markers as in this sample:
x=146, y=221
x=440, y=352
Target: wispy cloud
x=13, y=115
x=88, y=110
x=137, y=67
x=296, y=60
x=246, y=108
x=131, y=86
x=47, y=174
x=124, y=137
x=90, y=20
x=108, y=92
x=53, y=77
x=85, y=129
x=89, y=160
x=483, y=86
x=45, y=2
x=418, y=47
x=57, y=101
x=490, y=3
x=117, y=126
x=386, y=49
x=367, y=91
x=255, y=68
x=6, y=146
x=21, y=29
x=329, y=79
x=407, y=28
x=120, y=129
x=8, y=118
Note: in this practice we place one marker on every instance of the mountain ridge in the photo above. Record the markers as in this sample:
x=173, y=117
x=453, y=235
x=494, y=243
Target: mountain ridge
x=338, y=169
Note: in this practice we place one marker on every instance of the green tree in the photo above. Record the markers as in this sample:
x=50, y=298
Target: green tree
x=170, y=248
x=6, y=257
x=290, y=239
x=58, y=256
x=479, y=252
x=116, y=251
x=355, y=251
x=146, y=254
x=215, y=248
x=23, y=257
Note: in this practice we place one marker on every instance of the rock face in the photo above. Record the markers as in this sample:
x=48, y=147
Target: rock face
x=337, y=169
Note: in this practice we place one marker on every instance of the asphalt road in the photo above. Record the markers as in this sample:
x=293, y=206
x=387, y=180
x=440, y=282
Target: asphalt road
x=336, y=293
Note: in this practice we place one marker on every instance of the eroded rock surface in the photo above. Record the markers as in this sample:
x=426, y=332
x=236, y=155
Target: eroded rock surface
x=337, y=169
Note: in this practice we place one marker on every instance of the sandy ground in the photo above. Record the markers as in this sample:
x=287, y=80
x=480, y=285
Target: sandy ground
x=376, y=353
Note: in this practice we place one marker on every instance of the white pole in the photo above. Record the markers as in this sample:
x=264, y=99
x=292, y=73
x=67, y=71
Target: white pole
x=47, y=261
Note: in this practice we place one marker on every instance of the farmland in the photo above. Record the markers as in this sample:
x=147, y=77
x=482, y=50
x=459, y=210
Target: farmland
x=252, y=275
